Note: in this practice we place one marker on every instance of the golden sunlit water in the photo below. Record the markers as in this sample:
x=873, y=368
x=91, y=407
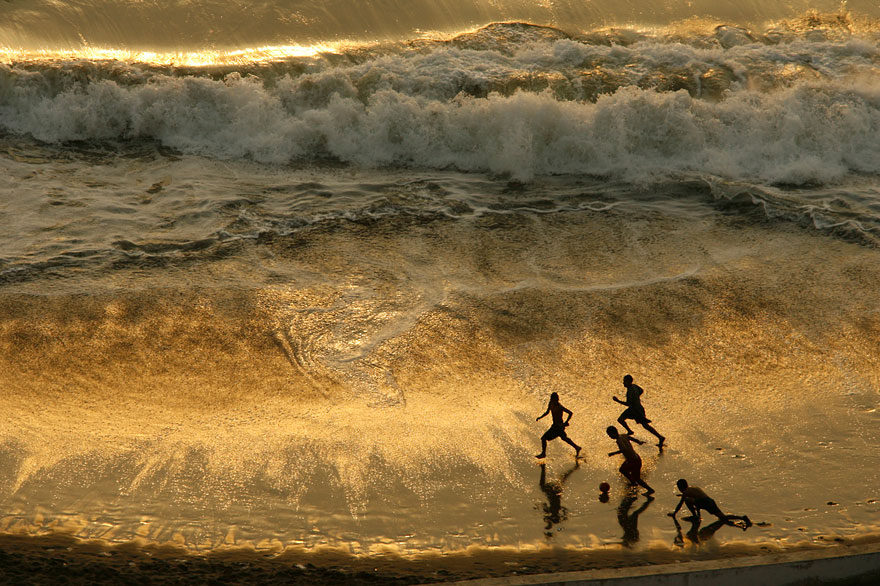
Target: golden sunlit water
x=304, y=284
x=246, y=56
x=366, y=409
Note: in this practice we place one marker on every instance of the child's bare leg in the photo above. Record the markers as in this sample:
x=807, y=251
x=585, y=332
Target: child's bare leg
x=543, y=449
x=744, y=518
x=660, y=438
x=634, y=477
x=577, y=448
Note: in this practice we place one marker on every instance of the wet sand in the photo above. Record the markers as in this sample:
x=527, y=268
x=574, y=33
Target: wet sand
x=59, y=559
x=837, y=566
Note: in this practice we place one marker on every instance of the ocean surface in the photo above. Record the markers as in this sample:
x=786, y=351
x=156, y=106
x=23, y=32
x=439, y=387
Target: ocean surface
x=302, y=274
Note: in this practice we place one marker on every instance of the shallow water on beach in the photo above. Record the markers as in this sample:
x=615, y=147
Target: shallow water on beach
x=317, y=303
x=371, y=382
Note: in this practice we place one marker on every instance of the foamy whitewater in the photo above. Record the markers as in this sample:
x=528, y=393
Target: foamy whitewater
x=303, y=275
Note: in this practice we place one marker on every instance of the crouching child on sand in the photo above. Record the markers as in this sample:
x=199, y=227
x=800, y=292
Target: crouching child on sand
x=697, y=500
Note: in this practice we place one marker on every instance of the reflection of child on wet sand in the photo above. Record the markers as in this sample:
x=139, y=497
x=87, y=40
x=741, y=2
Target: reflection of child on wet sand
x=554, y=512
x=632, y=463
x=697, y=500
x=634, y=409
x=629, y=522
x=696, y=534
x=557, y=428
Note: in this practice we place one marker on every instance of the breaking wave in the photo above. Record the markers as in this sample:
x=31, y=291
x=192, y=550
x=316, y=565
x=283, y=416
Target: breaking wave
x=511, y=99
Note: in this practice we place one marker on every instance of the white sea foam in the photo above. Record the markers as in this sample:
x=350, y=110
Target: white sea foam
x=726, y=102
x=812, y=131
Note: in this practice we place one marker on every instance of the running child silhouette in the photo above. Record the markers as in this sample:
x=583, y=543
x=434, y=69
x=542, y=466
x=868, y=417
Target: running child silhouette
x=634, y=409
x=632, y=462
x=557, y=428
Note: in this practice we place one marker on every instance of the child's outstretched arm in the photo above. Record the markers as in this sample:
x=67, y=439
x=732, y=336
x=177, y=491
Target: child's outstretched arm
x=677, y=508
